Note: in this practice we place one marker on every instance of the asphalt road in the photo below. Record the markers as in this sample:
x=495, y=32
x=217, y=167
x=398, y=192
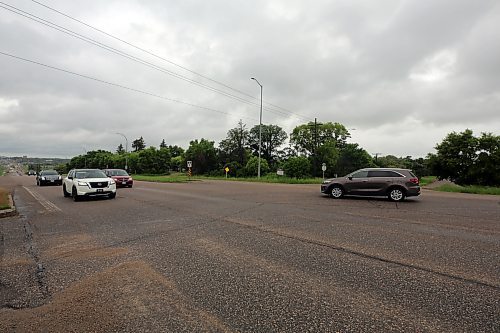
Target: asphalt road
x=244, y=257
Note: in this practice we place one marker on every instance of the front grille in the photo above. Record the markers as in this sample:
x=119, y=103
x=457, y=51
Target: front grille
x=98, y=184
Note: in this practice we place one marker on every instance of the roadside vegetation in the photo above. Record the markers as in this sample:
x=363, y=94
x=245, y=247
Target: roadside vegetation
x=426, y=180
x=184, y=178
x=4, y=199
x=473, y=189
x=462, y=158
x=2, y=170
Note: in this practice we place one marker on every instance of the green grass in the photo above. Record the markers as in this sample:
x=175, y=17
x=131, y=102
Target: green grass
x=183, y=178
x=4, y=199
x=426, y=180
x=2, y=170
x=474, y=189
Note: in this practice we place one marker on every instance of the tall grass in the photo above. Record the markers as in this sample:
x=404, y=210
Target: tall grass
x=426, y=180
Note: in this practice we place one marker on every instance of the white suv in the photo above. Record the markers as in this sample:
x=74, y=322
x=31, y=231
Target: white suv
x=88, y=183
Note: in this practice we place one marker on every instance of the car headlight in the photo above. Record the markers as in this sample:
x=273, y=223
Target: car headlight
x=80, y=183
x=43, y=178
x=326, y=181
x=112, y=182
x=59, y=177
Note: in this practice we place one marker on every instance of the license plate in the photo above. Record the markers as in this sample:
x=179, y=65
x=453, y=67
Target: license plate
x=52, y=180
x=99, y=190
x=124, y=183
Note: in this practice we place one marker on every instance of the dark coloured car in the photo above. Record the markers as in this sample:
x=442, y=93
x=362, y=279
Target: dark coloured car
x=48, y=177
x=120, y=176
x=396, y=184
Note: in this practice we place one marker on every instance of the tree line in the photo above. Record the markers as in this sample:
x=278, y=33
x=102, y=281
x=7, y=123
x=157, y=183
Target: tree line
x=310, y=145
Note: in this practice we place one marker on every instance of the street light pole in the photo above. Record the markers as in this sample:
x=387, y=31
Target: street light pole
x=126, y=150
x=260, y=124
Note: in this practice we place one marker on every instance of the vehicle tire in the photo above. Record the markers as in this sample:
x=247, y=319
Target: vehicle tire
x=396, y=194
x=74, y=194
x=336, y=192
x=112, y=195
x=66, y=193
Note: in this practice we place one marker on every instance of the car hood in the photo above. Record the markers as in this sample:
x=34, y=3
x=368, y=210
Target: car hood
x=94, y=180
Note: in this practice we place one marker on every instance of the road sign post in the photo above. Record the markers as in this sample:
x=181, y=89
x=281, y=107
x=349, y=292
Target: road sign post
x=227, y=170
x=323, y=167
x=189, y=165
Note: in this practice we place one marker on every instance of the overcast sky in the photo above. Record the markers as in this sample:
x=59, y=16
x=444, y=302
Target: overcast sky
x=400, y=74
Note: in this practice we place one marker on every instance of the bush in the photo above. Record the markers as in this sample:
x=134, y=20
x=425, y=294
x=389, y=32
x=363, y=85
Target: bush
x=297, y=167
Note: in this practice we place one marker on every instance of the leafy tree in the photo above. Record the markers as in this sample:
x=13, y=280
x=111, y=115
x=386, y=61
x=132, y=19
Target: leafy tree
x=234, y=147
x=297, y=167
x=252, y=167
x=307, y=137
x=203, y=154
x=176, y=163
x=273, y=137
x=352, y=157
x=176, y=151
x=120, y=149
x=328, y=154
x=163, y=144
x=138, y=144
x=466, y=159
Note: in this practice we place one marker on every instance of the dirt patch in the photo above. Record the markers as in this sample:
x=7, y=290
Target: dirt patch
x=128, y=297
x=78, y=247
x=4, y=198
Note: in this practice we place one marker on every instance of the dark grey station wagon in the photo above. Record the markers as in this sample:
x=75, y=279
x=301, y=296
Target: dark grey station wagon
x=396, y=184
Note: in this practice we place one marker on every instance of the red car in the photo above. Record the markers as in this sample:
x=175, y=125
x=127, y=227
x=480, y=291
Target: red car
x=120, y=176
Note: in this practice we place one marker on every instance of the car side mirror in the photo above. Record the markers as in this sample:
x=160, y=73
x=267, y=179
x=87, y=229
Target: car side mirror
x=350, y=177
x=69, y=177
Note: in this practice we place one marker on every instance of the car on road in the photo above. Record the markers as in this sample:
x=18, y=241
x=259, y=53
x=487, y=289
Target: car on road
x=48, y=177
x=82, y=183
x=31, y=173
x=396, y=184
x=121, y=177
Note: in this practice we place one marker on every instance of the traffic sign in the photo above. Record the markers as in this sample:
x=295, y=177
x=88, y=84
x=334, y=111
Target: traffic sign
x=190, y=164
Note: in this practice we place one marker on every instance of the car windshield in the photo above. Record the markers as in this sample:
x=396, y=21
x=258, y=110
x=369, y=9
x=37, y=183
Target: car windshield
x=90, y=174
x=117, y=173
x=49, y=173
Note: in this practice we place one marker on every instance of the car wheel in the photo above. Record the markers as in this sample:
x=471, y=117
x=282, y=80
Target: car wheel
x=396, y=194
x=66, y=193
x=112, y=195
x=75, y=195
x=337, y=192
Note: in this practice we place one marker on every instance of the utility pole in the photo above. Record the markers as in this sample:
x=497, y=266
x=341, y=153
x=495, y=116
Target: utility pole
x=260, y=125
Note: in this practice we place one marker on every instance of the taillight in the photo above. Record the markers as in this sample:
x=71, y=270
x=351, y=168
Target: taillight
x=414, y=180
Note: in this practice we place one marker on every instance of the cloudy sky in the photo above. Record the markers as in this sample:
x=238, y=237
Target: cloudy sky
x=400, y=74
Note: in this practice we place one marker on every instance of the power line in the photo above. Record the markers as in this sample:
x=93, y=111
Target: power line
x=118, y=85
x=161, y=58
x=126, y=55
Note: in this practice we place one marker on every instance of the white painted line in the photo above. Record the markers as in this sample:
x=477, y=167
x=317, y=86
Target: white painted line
x=49, y=206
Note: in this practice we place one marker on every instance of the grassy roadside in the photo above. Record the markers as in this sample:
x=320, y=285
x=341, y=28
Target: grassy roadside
x=426, y=180
x=183, y=178
x=2, y=170
x=4, y=199
x=474, y=189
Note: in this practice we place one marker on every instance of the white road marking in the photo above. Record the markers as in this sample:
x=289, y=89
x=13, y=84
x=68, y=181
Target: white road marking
x=49, y=206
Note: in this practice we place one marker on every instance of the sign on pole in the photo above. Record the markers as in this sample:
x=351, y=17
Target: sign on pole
x=190, y=164
x=323, y=167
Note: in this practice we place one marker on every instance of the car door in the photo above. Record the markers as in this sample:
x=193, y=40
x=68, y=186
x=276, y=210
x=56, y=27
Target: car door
x=356, y=182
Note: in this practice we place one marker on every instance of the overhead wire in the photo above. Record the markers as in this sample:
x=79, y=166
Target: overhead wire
x=160, y=57
x=126, y=55
x=119, y=85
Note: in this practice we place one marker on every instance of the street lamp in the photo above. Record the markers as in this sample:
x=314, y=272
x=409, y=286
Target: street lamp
x=260, y=125
x=126, y=150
